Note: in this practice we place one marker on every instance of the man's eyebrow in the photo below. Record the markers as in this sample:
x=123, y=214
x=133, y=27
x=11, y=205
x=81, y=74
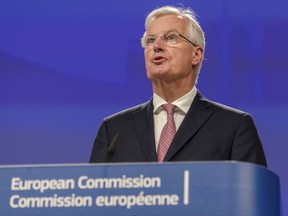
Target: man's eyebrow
x=167, y=32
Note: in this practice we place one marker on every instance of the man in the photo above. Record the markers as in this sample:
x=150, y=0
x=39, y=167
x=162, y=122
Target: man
x=198, y=129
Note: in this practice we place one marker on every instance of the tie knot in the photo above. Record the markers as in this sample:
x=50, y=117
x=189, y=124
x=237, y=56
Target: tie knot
x=169, y=108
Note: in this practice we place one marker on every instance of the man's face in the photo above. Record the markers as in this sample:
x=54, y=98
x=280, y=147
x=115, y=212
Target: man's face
x=169, y=62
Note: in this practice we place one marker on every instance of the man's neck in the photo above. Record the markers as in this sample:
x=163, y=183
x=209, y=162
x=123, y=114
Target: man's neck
x=171, y=92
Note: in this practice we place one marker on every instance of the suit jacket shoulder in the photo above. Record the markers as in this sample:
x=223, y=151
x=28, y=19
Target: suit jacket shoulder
x=215, y=106
x=123, y=114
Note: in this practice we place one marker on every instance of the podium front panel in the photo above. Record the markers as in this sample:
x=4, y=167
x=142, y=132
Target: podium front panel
x=196, y=189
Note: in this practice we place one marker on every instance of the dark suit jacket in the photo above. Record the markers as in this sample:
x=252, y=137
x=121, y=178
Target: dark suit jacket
x=209, y=132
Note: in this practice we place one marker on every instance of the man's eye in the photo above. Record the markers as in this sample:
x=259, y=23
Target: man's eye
x=171, y=38
x=150, y=40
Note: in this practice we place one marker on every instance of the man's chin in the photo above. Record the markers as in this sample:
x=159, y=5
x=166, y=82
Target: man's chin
x=156, y=74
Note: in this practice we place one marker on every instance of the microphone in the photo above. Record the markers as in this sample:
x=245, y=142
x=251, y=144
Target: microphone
x=112, y=147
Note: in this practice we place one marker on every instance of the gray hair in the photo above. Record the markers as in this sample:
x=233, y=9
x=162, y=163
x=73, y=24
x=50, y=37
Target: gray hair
x=194, y=30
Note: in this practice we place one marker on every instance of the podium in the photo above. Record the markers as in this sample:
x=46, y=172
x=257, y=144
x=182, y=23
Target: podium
x=190, y=188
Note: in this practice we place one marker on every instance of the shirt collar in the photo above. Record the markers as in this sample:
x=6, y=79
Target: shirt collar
x=183, y=103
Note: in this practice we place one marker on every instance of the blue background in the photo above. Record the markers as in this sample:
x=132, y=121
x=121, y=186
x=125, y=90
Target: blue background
x=65, y=65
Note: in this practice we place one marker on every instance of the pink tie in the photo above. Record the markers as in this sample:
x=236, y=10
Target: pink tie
x=168, y=132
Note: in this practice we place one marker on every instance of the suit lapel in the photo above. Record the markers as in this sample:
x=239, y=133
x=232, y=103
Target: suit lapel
x=144, y=126
x=197, y=115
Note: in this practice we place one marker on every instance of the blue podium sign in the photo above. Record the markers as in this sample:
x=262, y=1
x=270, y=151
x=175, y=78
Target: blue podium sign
x=206, y=188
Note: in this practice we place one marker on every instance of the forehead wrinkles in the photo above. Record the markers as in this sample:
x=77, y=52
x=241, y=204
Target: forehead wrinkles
x=166, y=23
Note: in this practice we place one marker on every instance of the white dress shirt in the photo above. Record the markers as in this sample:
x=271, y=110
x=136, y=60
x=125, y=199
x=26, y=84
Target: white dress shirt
x=160, y=116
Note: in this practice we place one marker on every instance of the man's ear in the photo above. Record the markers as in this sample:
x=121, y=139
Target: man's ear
x=197, y=55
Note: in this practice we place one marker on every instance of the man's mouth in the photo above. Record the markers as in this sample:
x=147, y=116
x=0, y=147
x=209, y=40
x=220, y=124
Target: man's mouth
x=158, y=59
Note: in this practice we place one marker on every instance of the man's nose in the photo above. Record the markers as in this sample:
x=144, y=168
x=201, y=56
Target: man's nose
x=158, y=44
